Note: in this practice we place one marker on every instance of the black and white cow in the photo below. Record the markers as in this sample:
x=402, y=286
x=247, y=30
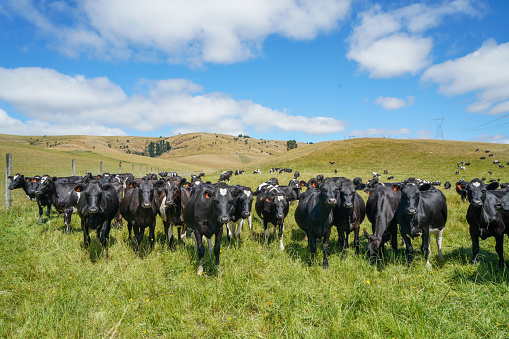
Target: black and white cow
x=226, y=175
x=97, y=206
x=272, y=207
x=207, y=210
x=447, y=185
x=314, y=215
x=422, y=211
x=257, y=171
x=20, y=181
x=483, y=217
x=43, y=198
x=139, y=208
x=349, y=213
x=242, y=204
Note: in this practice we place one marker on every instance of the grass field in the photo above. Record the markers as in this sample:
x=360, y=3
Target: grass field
x=50, y=286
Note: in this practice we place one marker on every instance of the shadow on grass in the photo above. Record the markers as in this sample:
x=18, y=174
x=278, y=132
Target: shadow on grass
x=96, y=250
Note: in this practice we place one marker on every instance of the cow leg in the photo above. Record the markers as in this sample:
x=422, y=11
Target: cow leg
x=168, y=230
x=217, y=245
x=152, y=235
x=394, y=236
x=426, y=239
x=67, y=221
x=200, y=250
x=137, y=237
x=312, y=246
x=267, y=232
x=341, y=237
x=356, y=241
x=41, y=211
x=325, y=247
x=499, y=247
x=475, y=246
x=280, y=235
x=229, y=233
x=105, y=235
x=129, y=228
x=238, y=232
x=439, y=243
x=209, y=243
x=250, y=224
x=48, y=211
x=86, y=237
x=409, y=248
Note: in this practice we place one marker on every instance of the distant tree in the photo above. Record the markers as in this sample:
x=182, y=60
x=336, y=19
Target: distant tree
x=291, y=144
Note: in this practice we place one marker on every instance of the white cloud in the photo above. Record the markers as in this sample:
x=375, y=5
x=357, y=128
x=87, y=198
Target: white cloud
x=390, y=103
x=497, y=138
x=484, y=72
x=183, y=31
x=380, y=132
x=423, y=134
x=389, y=44
x=51, y=100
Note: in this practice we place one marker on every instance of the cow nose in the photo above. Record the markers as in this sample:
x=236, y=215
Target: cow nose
x=331, y=201
x=92, y=210
x=247, y=214
x=145, y=205
x=477, y=202
x=498, y=205
x=170, y=203
x=411, y=211
x=280, y=216
x=348, y=205
x=224, y=219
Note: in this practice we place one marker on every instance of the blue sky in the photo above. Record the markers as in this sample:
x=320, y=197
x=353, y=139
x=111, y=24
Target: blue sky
x=309, y=70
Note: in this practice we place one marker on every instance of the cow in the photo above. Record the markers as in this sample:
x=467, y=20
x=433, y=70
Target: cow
x=292, y=191
x=483, y=158
x=242, y=203
x=225, y=176
x=314, y=215
x=207, y=210
x=381, y=208
x=447, y=185
x=64, y=197
x=390, y=177
x=319, y=177
x=502, y=203
x=97, y=206
x=43, y=198
x=297, y=174
x=139, y=208
x=422, y=211
x=484, y=219
x=20, y=181
x=348, y=213
x=171, y=202
x=257, y=171
x=491, y=155
x=272, y=207
x=461, y=189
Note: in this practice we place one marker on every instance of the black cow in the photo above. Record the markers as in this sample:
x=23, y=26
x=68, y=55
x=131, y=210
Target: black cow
x=390, y=177
x=97, y=206
x=242, y=204
x=461, y=189
x=292, y=191
x=422, y=211
x=139, y=208
x=483, y=158
x=297, y=174
x=208, y=209
x=171, y=202
x=43, y=198
x=314, y=215
x=447, y=185
x=503, y=203
x=20, y=181
x=381, y=210
x=272, y=206
x=484, y=219
x=349, y=213
x=64, y=197
x=225, y=176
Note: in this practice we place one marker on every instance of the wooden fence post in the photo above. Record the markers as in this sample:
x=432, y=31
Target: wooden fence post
x=120, y=167
x=8, y=167
x=73, y=170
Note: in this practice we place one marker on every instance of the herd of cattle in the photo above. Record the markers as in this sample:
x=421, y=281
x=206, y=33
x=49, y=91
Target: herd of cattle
x=417, y=206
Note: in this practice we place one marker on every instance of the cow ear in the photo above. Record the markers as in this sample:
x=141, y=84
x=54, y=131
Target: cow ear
x=313, y=184
x=79, y=188
x=492, y=186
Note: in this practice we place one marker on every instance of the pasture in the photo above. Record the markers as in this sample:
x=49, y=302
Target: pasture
x=51, y=286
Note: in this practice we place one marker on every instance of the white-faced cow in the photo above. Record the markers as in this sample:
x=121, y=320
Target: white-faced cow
x=97, y=206
x=272, y=207
x=422, y=211
x=314, y=215
x=139, y=208
x=483, y=217
x=208, y=209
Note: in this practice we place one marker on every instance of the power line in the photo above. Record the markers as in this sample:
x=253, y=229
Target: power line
x=489, y=122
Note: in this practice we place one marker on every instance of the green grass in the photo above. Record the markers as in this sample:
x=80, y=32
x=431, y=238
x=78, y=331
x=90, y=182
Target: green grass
x=52, y=287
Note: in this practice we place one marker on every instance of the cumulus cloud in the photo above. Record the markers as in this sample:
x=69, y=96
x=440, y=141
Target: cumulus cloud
x=497, y=138
x=380, y=132
x=50, y=100
x=192, y=31
x=392, y=43
x=423, y=134
x=484, y=72
x=390, y=103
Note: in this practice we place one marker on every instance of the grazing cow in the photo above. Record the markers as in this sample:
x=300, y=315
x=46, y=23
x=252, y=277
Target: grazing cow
x=206, y=212
x=490, y=173
x=447, y=185
x=64, y=197
x=386, y=172
x=314, y=215
x=296, y=174
x=139, y=208
x=332, y=162
x=226, y=175
x=501, y=166
x=422, y=211
x=491, y=155
x=484, y=219
x=482, y=158
x=239, y=172
x=97, y=206
x=390, y=177
x=381, y=209
x=242, y=203
x=43, y=198
x=477, y=149
x=486, y=151
x=349, y=213
x=436, y=183
x=20, y=181
x=171, y=202
x=467, y=164
x=257, y=171
x=457, y=172
x=272, y=206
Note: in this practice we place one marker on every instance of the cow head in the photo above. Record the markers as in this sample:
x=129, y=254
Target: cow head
x=172, y=190
x=41, y=185
x=146, y=192
x=243, y=200
x=92, y=192
x=347, y=194
x=503, y=204
x=329, y=191
x=276, y=202
x=476, y=192
x=17, y=181
x=222, y=201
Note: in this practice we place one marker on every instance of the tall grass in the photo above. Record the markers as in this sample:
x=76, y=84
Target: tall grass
x=51, y=286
